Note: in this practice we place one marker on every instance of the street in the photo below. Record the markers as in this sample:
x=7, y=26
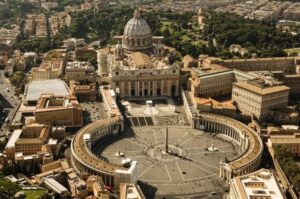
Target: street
x=7, y=92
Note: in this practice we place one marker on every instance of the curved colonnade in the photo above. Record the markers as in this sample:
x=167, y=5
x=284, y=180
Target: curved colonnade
x=252, y=147
x=84, y=160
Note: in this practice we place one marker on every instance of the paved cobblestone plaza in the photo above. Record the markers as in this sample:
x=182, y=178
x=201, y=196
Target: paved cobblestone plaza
x=191, y=168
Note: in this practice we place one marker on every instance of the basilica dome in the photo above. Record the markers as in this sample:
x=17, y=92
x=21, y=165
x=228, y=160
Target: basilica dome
x=137, y=26
x=137, y=34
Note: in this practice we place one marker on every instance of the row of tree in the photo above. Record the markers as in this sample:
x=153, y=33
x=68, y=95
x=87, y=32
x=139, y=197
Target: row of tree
x=289, y=165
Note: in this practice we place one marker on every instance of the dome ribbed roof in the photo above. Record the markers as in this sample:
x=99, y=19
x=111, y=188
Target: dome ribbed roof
x=137, y=26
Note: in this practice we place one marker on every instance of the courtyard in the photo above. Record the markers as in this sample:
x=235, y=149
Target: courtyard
x=189, y=169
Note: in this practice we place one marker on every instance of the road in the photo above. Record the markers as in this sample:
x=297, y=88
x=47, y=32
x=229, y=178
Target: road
x=10, y=98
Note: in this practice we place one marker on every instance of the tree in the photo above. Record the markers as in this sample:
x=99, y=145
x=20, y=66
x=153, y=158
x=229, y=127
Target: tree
x=296, y=181
x=58, y=41
x=184, y=24
x=6, y=74
x=288, y=164
x=43, y=46
x=166, y=33
x=17, y=78
x=8, y=188
x=225, y=54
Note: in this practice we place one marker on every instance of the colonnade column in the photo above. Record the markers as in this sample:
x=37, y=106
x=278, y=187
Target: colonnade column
x=154, y=88
x=122, y=89
x=149, y=89
x=143, y=88
x=137, y=88
x=162, y=90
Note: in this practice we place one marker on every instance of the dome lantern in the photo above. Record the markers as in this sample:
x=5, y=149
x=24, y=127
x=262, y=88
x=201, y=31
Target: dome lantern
x=137, y=14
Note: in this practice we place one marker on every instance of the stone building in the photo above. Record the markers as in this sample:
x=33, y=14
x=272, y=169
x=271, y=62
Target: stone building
x=258, y=97
x=211, y=81
x=189, y=62
x=52, y=66
x=34, y=144
x=85, y=53
x=259, y=184
x=284, y=64
x=292, y=12
x=58, y=111
x=285, y=69
x=9, y=38
x=139, y=67
x=79, y=71
x=130, y=190
x=86, y=92
x=286, y=135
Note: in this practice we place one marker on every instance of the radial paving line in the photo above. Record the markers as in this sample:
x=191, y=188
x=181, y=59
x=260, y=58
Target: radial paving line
x=180, y=171
x=146, y=170
x=168, y=172
x=153, y=132
x=204, y=169
x=207, y=165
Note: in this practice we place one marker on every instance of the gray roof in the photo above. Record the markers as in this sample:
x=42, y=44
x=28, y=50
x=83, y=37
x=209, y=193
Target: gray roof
x=13, y=138
x=35, y=88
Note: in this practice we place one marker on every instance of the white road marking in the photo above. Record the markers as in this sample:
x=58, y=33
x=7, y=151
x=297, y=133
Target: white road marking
x=107, y=152
x=137, y=143
x=136, y=156
x=170, y=179
x=204, y=169
x=186, y=140
x=155, y=180
x=210, y=152
x=145, y=171
x=153, y=132
x=180, y=171
x=189, y=179
x=183, y=183
x=143, y=164
x=207, y=165
x=204, y=147
x=186, y=132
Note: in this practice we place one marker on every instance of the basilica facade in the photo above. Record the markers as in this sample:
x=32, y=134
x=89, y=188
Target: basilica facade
x=138, y=66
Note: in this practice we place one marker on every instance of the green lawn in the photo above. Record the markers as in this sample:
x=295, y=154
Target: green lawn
x=34, y=194
x=186, y=38
x=292, y=50
x=196, y=27
x=198, y=42
x=166, y=22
